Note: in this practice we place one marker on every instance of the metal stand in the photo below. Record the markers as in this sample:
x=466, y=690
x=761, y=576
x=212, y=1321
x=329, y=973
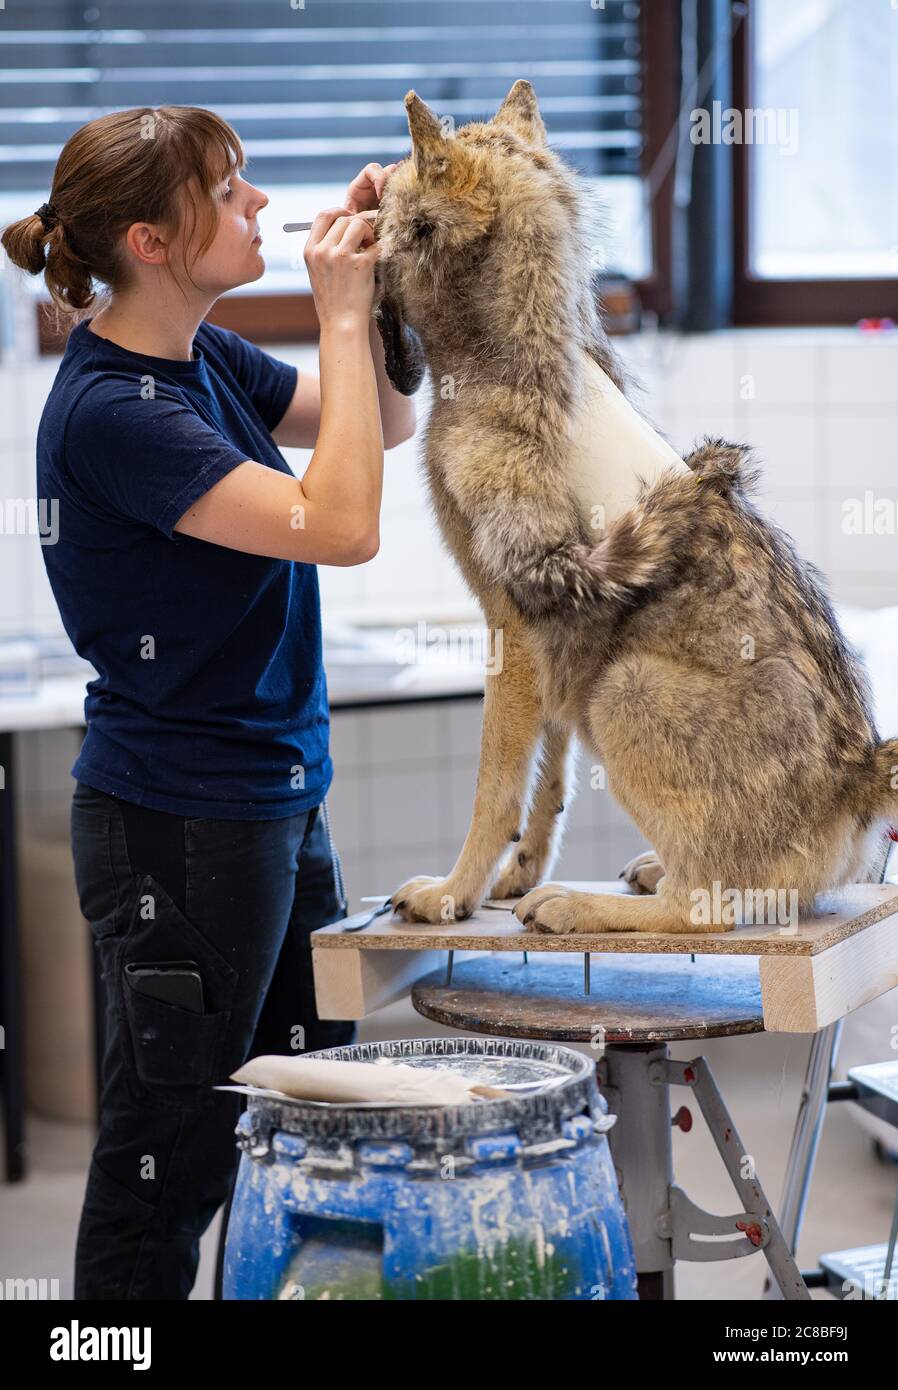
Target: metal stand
x=665, y=1224
x=806, y=1137
x=817, y=1090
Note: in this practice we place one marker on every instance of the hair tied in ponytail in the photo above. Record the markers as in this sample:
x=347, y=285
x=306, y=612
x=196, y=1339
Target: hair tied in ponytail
x=48, y=215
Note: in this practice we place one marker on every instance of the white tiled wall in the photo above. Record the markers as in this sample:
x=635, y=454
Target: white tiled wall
x=821, y=409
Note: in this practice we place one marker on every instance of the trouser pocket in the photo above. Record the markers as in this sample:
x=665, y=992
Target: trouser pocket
x=175, y=1051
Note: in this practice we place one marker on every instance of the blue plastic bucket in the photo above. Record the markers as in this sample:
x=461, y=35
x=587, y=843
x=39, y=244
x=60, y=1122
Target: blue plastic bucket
x=497, y=1199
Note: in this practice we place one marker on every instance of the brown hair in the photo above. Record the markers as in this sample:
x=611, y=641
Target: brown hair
x=129, y=166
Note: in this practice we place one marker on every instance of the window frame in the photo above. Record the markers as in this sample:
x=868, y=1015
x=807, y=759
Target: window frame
x=762, y=302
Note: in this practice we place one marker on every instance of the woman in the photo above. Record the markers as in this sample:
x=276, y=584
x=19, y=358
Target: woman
x=185, y=573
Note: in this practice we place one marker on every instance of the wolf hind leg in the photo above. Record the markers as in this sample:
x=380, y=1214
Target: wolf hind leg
x=643, y=873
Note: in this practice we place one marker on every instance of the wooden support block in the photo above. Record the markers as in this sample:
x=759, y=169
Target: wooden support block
x=352, y=984
x=801, y=994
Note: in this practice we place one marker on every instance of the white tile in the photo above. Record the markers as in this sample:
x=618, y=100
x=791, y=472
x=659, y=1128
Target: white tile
x=14, y=563
x=347, y=729
x=405, y=810
x=864, y=555
x=865, y=591
x=578, y=858
x=340, y=587
x=800, y=512
x=609, y=817
x=778, y=374
x=409, y=734
x=786, y=445
x=861, y=372
x=458, y=805
x=13, y=415
x=600, y=857
x=404, y=488
x=16, y=470
x=41, y=610
x=449, y=588
x=391, y=868
x=405, y=567
x=353, y=882
x=702, y=370
x=861, y=451
x=686, y=427
x=348, y=803
x=464, y=720
x=578, y=813
x=37, y=381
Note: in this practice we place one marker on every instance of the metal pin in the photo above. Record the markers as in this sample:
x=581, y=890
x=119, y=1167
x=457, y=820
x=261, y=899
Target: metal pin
x=449, y=959
x=692, y=958
x=525, y=957
x=586, y=973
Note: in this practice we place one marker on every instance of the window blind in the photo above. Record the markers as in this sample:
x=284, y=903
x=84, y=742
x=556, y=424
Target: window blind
x=316, y=91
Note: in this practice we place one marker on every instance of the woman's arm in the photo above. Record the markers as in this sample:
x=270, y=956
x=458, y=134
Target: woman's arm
x=330, y=515
x=302, y=419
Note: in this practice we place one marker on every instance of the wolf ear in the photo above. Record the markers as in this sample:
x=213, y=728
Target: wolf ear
x=519, y=112
x=428, y=140
x=403, y=353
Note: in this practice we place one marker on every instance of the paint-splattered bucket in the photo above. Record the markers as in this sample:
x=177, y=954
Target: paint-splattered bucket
x=498, y=1199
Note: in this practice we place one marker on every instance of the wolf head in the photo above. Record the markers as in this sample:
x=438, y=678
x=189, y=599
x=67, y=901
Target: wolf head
x=470, y=224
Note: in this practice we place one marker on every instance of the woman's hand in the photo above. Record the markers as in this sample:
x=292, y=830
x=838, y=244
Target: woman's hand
x=340, y=254
x=367, y=188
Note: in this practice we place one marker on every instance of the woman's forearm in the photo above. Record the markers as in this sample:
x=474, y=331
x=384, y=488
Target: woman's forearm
x=344, y=479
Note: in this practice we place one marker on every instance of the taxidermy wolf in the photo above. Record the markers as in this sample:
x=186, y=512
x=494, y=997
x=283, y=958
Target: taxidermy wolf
x=645, y=605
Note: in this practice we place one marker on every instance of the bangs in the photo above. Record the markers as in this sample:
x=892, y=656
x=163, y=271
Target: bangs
x=210, y=148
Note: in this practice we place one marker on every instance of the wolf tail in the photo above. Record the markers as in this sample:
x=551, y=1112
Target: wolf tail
x=644, y=546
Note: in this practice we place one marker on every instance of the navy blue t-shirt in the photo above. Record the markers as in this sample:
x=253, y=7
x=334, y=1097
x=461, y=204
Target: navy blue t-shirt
x=211, y=699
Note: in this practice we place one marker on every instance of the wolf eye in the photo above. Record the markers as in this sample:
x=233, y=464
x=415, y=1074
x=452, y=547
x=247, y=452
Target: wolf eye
x=423, y=229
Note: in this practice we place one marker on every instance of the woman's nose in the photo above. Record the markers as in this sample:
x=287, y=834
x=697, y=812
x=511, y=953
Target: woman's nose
x=261, y=200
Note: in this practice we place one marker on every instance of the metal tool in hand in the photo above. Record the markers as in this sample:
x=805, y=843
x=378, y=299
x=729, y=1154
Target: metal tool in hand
x=307, y=226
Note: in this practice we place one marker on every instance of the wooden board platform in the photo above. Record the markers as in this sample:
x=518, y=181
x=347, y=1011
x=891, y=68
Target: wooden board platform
x=810, y=974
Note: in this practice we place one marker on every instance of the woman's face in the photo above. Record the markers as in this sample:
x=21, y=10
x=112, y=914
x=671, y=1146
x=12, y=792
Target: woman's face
x=234, y=257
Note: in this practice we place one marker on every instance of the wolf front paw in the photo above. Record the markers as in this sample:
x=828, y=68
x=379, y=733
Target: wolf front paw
x=428, y=899
x=545, y=909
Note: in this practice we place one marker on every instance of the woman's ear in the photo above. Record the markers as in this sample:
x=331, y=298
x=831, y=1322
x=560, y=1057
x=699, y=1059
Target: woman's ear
x=403, y=353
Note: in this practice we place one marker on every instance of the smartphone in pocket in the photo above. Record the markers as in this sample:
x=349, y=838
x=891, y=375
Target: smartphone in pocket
x=173, y=982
